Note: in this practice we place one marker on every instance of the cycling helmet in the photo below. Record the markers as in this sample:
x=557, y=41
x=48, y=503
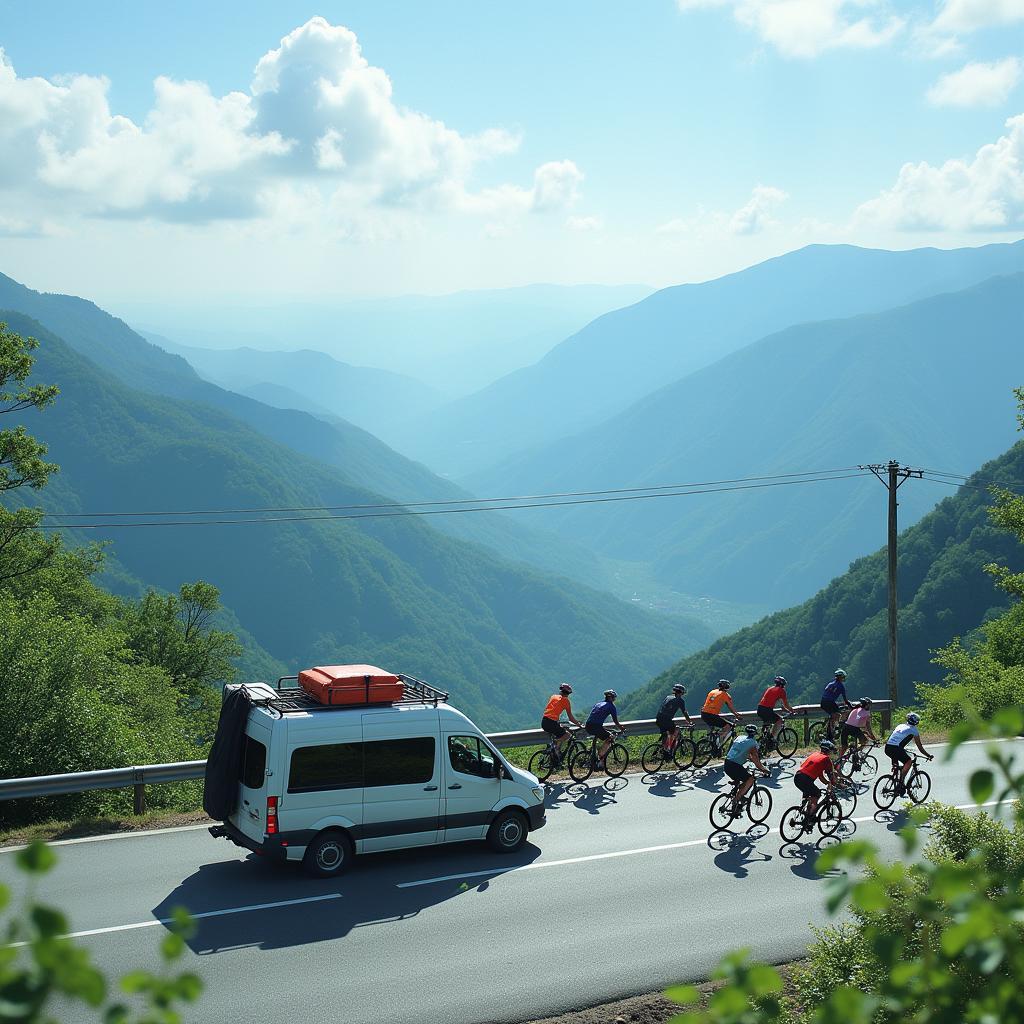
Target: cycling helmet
x=840, y=673
x=610, y=694
x=724, y=684
x=565, y=688
x=827, y=746
x=751, y=730
x=865, y=702
x=780, y=680
x=913, y=718
x=679, y=688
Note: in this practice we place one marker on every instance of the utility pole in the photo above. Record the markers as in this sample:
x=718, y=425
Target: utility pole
x=893, y=476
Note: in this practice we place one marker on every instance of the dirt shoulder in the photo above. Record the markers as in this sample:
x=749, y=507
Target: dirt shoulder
x=52, y=831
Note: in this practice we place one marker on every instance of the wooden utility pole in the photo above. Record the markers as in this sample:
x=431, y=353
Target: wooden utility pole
x=893, y=475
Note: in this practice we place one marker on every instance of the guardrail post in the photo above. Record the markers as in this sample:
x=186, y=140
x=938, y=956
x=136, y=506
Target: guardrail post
x=807, y=729
x=887, y=717
x=139, y=800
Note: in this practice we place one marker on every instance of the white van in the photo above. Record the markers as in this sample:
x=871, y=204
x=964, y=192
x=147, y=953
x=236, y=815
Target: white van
x=320, y=784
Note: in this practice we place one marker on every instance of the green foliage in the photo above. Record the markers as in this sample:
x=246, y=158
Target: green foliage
x=40, y=967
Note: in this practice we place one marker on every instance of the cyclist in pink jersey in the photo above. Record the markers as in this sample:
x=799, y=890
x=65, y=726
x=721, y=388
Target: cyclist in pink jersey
x=857, y=723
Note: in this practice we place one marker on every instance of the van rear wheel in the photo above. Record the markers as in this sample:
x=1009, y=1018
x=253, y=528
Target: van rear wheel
x=328, y=855
x=508, y=832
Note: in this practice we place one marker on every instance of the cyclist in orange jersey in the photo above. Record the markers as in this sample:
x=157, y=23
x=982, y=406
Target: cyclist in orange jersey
x=550, y=723
x=713, y=705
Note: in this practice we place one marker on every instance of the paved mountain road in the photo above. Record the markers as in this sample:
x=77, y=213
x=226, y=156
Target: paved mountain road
x=621, y=894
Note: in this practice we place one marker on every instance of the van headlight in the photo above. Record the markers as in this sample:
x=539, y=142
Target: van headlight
x=538, y=792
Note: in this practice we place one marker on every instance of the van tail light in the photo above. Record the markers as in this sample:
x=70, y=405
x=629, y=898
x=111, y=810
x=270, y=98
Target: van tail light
x=271, y=815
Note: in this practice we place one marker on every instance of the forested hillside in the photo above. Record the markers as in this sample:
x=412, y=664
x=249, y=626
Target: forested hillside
x=943, y=592
x=925, y=384
x=389, y=591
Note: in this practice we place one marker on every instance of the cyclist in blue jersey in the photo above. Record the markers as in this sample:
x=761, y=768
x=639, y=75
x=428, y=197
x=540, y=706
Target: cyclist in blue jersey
x=599, y=714
x=834, y=700
x=742, y=750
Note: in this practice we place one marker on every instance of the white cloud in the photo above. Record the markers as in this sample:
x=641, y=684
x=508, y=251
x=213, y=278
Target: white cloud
x=971, y=15
x=754, y=216
x=807, y=28
x=985, y=193
x=977, y=84
x=590, y=223
x=316, y=111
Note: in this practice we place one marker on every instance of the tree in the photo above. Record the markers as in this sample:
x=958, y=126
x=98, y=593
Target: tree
x=22, y=550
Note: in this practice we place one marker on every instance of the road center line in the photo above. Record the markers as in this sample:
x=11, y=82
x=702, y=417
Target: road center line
x=617, y=853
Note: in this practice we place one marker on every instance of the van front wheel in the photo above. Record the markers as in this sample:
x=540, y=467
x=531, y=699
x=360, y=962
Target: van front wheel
x=328, y=855
x=508, y=832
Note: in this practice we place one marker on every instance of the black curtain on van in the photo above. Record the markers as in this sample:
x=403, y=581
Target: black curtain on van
x=224, y=765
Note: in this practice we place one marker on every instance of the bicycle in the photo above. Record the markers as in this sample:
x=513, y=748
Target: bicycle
x=797, y=821
x=784, y=744
x=584, y=759
x=725, y=808
x=543, y=762
x=917, y=786
x=682, y=753
x=858, y=758
x=710, y=746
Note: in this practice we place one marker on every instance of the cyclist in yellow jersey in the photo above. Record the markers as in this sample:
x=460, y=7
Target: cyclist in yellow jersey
x=713, y=705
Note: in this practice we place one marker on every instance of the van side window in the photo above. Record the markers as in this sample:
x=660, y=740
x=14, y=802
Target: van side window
x=471, y=757
x=399, y=762
x=328, y=766
x=254, y=764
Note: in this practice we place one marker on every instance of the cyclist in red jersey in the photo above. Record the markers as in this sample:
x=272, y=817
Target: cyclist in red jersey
x=816, y=766
x=766, y=706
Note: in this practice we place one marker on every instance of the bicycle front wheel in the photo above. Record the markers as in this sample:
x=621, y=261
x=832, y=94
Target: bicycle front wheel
x=830, y=816
x=685, y=753
x=541, y=765
x=787, y=742
x=759, y=804
x=702, y=752
x=653, y=757
x=581, y=767
x=885, y=792
x=617, y=760
x=721, y=812
x=919, y=785
x=791, y=828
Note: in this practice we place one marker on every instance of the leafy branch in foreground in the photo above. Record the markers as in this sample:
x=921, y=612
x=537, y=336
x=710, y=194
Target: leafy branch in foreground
x=40, y=965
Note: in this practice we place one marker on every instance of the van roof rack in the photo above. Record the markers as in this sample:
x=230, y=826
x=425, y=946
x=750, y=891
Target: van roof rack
x=295, y=699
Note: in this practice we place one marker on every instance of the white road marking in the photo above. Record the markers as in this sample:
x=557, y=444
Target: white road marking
x=111, y=835
x=618, y=853
x=206, y=913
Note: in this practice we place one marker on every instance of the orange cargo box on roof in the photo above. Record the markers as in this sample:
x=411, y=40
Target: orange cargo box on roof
x=351, y=684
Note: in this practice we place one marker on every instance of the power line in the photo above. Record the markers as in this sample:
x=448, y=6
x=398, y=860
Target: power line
x=636, y=491
x=447, y=511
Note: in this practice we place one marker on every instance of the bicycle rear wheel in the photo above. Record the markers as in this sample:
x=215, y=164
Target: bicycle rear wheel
x=787, y=742
x=868, y=764
x=759, y=804
x=818, y=732
x=581, y=767
x=830, y=816
x=919, y=785
x=617, y=760
x=845, y=766
x=726, y=745
x=685, y=753
x=702, y=752
x=653, y=757
x=885, y=792
x=791, y=828
x=541, y=765
x=721, y=811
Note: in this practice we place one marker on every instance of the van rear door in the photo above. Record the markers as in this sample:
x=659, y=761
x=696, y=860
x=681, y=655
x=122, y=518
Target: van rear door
x=402, y=781
x=250, y=817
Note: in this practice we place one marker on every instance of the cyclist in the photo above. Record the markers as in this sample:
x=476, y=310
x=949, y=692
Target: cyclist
x=815, y=766
x=743, y=749
x=550, y=723
x=713, y=705
x=669, y=706
x=895, y=749
x=766, y=707
x=595, y=722
x=858, y=720
x=831, y=696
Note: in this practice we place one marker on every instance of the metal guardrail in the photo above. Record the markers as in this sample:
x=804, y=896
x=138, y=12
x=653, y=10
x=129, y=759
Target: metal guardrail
x=140, y=776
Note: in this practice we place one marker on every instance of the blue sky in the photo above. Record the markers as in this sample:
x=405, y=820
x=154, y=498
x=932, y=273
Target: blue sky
x=584, y=140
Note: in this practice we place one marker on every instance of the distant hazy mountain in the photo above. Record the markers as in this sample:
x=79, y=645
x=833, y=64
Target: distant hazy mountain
x=394, y=592
x=455, y=343
x=372, y=399
x=928, y=384
x=626, y=354
x=365, y=461
x=943, y=593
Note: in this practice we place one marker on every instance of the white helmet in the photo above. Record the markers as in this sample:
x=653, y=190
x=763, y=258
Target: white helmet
x=913, y=718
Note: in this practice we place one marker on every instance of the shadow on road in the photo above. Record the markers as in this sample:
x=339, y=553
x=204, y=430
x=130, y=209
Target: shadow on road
x=803, y=856
x=667, y=784
x=736, y=851
x=368, y=895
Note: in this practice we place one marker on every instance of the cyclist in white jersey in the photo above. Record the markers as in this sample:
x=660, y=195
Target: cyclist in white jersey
x=895, y=748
